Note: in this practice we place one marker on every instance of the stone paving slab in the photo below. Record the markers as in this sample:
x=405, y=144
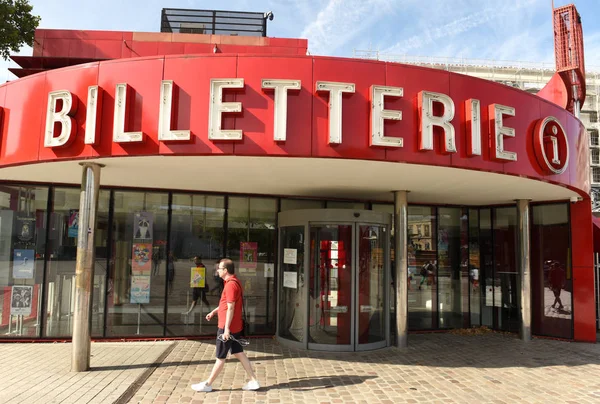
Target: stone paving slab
x=40, y=372
x=436, y=368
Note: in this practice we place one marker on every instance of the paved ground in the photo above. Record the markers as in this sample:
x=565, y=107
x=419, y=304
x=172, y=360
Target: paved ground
x=436, y=368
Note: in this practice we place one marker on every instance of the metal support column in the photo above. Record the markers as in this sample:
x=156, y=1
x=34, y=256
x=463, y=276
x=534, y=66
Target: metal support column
x=84, y=270
x=524, y=268
x=401, y=267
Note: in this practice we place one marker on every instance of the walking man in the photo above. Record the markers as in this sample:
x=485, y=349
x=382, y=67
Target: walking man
x=230, y=324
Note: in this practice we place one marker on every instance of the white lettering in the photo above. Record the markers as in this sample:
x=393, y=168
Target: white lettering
x=473, y=119
x=165, y=115
x=121, y=118
x=428, y=121
x=217, y=107
x=554, y=139
x=94, y=105
x=379, y=114
x=335, y=90
x=498, y=132
x=281, y=88
x=64, y=117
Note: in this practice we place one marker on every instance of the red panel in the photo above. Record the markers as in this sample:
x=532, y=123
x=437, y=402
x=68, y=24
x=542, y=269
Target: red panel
x=23, y=110
x=170, y=48
x=413, y=80
x=144, y=48
x=108, y=49
x=579, y=164
x=584, y=308
x=258, y=107
x=144, y=77
x=284, y=42
x=80, y=34
x=191, y=48
x=56, y=47
x=355, y=108
x=193, y=99
x=547, y=109
x=62, y=79
x=82, y=49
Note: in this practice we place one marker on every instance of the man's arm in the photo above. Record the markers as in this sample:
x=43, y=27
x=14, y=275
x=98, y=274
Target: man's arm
x=228, y=318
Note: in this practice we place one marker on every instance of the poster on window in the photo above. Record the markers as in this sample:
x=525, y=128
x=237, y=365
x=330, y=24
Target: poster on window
x=142, y=226
x=23, y=261
x=141, y=259
x=20, y=300
x=248, y=254
x=198, y=277
x=73, y=223
x=140, y=289
x=25, y=228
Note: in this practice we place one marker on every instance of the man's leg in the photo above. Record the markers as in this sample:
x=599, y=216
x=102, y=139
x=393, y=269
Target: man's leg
x=241, y=356
x=218, y=366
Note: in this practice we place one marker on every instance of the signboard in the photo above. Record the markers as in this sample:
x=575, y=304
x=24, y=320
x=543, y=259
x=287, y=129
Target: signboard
x=140, y=289
x=141, y=261
x=143, y=225
x=248, y=254
x=198, y=277
x=23, y=264
x=20, y=300
x=73, y=224
x=290, y=256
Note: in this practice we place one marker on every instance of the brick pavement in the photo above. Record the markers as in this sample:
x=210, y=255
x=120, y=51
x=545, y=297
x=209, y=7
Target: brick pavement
x=40, y=373
x=436, y=368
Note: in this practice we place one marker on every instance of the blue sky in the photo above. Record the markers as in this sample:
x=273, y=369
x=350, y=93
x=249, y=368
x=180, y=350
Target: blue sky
x=517, y=30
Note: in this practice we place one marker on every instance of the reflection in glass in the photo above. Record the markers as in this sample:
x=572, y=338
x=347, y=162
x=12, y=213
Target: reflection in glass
x=292, y=204
x=422, y=267
x=22, y=251
x=474, y=268
x=330, y=284
x=506, y=290
x=551, y=280
x=60, y=270
x=136, y=293
x=196, y=231
x=371, y=287
x=251, y=244
x=486, y=274
x=392, y=292
x=292, y=307
x=450, y=293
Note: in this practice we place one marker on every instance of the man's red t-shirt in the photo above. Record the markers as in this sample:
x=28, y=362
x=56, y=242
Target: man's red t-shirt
x=232, y=292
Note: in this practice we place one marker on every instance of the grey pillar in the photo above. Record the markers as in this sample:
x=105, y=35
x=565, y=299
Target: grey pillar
x=84, y=270
x=524, y=268
x=401, y=267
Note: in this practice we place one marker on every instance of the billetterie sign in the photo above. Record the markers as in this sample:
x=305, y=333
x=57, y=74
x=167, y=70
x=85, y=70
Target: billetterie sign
x=549, y=137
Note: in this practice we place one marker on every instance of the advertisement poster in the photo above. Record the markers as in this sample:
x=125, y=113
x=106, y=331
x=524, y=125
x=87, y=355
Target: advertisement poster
x=248, y=254
x=73, y=225
x=140, y=289
x=198, y=277
x=141, y=259
x=25, y=228
x=23, y=261
x=142, y=225
x=290, y=256
x=20, y=300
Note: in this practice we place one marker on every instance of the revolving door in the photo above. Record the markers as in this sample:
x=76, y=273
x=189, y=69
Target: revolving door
x=334, y=276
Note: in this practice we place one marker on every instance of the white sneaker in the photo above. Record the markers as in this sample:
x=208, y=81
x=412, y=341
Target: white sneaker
x=251, y=385
x=202, y=386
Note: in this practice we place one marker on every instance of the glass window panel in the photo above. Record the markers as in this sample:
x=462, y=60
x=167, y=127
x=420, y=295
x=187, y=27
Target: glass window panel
x=345, y=205
x=551, y=280
x=474, y=268
x=506, y=292
x=293, y=204
x=196, y=231
x=136, y=297
x=486, y=274
x=388, y=208
x=422, y=269
x=60, y=270
x=293, y=306
x=22, y=250
x=251, y=244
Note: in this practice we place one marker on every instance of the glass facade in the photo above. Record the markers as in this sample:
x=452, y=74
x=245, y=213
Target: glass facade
x=463, y=266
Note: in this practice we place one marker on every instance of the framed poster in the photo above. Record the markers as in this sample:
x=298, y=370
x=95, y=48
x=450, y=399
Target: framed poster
x=248, y=254
x=142, y=225
x=21, y=297
x=25, y=230
x=140, y=289
x=141, y=259
x=198, y=277
x=23, y=264
x=73, y=223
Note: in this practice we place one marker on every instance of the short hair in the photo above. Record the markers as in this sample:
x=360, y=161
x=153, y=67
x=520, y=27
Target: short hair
x=229, y=265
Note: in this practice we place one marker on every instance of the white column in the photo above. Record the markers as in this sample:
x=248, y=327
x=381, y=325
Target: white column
x=524, y=268
x=401, y=267
x=84, y=269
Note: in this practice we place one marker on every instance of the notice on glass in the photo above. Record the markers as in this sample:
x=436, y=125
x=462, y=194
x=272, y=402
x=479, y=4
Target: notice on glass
x=198, y=277
x=269, y=270
x=290, y=279
x=140, y=289
x=23, y=261
x=21, y=298
x=290, y=256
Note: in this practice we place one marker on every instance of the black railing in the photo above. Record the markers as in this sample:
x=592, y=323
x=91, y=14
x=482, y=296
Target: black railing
x=178, y=20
